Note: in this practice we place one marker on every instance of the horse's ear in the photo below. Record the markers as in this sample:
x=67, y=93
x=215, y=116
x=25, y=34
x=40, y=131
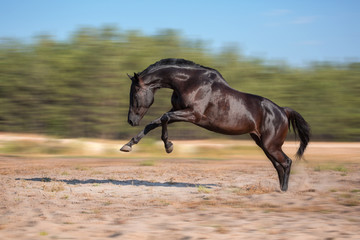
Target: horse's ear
x=136, y=77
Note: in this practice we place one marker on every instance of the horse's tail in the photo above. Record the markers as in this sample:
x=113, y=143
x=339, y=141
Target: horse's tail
x=301, y=128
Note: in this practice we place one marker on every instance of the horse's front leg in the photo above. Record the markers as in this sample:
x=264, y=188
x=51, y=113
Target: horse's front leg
x=154, y=124
x=169, y=147
x=170, y=117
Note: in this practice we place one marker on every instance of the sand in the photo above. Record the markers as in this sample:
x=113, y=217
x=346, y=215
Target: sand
x=140, y=198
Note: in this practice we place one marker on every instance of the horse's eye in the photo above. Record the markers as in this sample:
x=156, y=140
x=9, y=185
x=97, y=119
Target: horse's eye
x=137, y=88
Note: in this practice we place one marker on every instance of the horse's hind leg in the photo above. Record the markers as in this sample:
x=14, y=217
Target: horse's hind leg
x=278, y=158
x=287, y=167
x=282, y=164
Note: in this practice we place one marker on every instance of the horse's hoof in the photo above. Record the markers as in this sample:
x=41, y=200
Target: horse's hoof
x=126, y=148
x=169, y=148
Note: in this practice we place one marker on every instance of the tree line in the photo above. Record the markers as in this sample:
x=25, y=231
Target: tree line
x=79, y=88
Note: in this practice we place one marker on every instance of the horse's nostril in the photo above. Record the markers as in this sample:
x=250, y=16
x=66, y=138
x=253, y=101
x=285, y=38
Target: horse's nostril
x=130, y=122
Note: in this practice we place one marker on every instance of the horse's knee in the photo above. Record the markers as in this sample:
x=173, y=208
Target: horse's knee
x=286, y=162
x=281, y=158
x=165, y=118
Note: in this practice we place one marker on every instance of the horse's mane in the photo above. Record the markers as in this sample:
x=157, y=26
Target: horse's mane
x=174, y=62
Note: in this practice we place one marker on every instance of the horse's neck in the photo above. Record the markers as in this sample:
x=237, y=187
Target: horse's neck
x=160, y=83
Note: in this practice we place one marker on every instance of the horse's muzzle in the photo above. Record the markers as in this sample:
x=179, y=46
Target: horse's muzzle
x=133, y=123
x=133, y=119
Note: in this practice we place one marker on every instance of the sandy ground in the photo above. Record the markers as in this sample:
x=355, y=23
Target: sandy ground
x=140, y=198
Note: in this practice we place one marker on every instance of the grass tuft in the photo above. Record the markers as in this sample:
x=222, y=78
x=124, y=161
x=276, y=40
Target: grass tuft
x=331, y=167
x=148, y=163
x=43, y=233
x=202, y=189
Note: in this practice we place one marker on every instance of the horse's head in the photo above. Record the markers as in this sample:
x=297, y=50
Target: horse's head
x=141, y=98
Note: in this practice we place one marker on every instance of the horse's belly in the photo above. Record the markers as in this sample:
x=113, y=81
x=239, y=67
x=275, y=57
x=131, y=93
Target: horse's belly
x=229, y=126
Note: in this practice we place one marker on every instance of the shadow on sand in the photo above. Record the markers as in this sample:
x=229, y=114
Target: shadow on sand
x=133, y=182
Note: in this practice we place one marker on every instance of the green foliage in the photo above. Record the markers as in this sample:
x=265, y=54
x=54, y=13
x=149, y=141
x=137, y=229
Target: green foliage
x=79, y=87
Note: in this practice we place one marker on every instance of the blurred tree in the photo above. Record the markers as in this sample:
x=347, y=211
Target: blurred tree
x=79, y=87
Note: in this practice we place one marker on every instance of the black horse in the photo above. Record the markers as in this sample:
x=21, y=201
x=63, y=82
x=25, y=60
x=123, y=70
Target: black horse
x=202, y=96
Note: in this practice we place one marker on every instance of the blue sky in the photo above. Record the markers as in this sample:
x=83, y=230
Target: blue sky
x=297, y=32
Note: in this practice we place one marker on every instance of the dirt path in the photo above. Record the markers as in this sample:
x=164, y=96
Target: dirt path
x=114, y=198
